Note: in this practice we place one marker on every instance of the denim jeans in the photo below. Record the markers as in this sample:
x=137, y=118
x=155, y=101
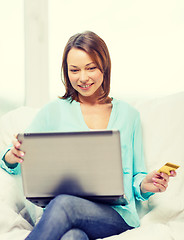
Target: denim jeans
x=68, y=217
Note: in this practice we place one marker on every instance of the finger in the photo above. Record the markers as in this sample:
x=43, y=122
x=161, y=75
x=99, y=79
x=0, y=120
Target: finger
x=173, y=173
x=161, y=176
x=157, y=175
x=165, y=176
x=160, y=187
x=17, y=159
x=156, y=187
x=17, y=153
x=12, y=158
x=162, y=181
x=16, y=143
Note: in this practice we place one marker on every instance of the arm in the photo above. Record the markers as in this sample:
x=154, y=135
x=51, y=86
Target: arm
x=12, y=156
x=156, y=182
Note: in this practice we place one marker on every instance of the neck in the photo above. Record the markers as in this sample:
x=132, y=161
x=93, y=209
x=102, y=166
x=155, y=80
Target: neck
x=94, y=99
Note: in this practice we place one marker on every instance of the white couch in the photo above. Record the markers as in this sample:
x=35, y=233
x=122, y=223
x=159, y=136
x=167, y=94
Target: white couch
x=162, y=216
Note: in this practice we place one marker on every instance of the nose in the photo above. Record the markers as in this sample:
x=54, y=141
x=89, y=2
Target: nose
x=83, y=76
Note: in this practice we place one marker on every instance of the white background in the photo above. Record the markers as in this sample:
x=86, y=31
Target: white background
x=145, y=39
x=11, y=54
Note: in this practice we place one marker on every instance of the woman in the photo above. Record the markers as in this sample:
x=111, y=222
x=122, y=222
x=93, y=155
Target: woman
x=86, y=105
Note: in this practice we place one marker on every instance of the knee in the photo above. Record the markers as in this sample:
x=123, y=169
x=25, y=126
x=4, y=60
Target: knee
x=74, y=234
x=61, y=201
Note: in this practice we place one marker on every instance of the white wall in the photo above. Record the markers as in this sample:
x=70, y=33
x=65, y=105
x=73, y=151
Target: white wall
x=145, y=40
x=11, y=54
x=36, y=52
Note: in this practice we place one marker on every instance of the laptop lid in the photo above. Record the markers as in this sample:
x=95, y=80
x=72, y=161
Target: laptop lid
x=86, y=164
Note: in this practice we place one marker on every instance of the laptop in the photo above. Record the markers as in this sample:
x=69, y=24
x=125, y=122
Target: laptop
x=87, y=164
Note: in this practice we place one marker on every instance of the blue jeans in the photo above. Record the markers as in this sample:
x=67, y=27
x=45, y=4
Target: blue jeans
x=68, y=217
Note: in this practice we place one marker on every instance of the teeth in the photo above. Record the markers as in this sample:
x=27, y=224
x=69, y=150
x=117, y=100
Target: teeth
x=85, y=86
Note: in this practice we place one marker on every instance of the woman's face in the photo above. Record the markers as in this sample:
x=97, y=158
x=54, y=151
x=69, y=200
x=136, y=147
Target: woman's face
x=84, y=75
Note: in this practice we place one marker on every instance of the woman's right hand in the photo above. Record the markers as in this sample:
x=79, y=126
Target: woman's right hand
x=15, y=155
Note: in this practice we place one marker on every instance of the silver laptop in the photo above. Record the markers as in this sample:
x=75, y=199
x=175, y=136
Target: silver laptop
x=86, y=164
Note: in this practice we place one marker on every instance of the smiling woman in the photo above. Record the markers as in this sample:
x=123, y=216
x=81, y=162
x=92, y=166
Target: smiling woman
x=86, y=66
x=85, y=106
x=84, y=76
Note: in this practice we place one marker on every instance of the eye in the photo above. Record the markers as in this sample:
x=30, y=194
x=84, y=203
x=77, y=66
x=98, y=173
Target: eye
x=92, y=68
x=74, y=70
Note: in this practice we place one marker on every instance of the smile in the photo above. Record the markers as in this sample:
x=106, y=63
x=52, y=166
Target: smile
x=86, y=86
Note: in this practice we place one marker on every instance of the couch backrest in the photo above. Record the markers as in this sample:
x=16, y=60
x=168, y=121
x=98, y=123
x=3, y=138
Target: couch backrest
x=163, y=139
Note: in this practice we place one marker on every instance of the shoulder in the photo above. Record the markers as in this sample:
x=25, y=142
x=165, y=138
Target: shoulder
x=57, y=102
x=127, y=115
x=49, y=116
x=125, y=109
x=53, y=108
x=55, y=105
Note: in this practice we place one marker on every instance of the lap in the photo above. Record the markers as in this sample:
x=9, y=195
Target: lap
x=96, y=219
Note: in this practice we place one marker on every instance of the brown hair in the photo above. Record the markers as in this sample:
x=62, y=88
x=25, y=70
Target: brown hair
x=92, y=44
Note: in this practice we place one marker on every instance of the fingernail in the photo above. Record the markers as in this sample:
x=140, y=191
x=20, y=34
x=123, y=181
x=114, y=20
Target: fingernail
x=22, y=154
x=21, y=161
x=155, y=183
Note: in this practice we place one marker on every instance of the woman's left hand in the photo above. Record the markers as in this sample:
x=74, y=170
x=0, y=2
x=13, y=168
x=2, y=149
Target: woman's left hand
x=156, y=182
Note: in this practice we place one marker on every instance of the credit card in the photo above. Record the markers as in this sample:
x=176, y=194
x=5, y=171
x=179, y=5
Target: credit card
x=168, y=167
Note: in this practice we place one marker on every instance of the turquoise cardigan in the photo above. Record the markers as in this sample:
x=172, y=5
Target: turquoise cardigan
x=62, y=115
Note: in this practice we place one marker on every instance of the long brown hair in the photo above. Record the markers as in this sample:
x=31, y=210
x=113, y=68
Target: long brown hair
x=92, y=44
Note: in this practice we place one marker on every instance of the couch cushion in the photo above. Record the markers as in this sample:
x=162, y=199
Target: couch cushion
x=14, y=122
x=163, y=137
